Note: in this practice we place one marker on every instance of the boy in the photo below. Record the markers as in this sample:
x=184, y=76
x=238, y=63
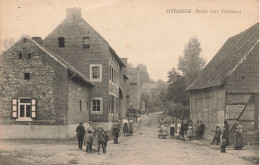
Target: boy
x=106, y=137
x=217, y=136
x=89, y=141
x=101, y=139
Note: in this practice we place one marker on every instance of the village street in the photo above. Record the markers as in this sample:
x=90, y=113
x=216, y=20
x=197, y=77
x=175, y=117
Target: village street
x=142, y=148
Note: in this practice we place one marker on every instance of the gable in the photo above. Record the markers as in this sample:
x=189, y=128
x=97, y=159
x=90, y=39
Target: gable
x=227, y=59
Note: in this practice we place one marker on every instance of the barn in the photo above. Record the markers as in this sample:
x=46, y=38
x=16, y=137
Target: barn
x=228, y=87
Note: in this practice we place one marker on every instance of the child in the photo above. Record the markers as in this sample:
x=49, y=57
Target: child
x=89, y=141
x=217, y=136
x=223, y=145
x=106, y=137
x=190, y=131
x=164, y=131
x=159, y=131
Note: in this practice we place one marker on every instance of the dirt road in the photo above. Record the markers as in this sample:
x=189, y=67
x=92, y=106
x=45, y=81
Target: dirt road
x=143, y=148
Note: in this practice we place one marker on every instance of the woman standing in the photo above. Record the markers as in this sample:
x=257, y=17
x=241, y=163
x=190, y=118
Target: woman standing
x=190, y=131
x=238, y=138
x=131, y=127
x=125, y=126
x=172, y=129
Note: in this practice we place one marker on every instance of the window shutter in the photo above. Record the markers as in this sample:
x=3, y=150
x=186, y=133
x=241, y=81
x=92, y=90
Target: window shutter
x=14, y=109
x=33, y=109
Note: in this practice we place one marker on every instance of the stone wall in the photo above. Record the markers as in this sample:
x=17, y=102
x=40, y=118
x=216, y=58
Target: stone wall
x=48, y=83
x=78, y=101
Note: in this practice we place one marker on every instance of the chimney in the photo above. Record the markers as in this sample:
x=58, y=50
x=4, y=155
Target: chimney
x=37, y=39
x=73, y=12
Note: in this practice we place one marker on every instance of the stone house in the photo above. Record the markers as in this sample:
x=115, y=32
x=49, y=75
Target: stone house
x=84, y=48
x=41, y=95
x=134, y=89
x=228, y=87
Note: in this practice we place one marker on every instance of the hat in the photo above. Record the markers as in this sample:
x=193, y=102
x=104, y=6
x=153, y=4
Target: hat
x=81, y=122
x=90, y=121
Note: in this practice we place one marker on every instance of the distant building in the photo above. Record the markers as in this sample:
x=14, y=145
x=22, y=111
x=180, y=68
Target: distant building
x=41, y=95
x=85, y=49
x=228, y=87
x=135, y=88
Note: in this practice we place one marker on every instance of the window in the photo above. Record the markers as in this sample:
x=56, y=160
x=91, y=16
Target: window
x=26, y=76
x=85, y=42
x=20, y=55
x=96, y=106
x=24, y=109
x=61, y=42
x=80, y=107
x=95, y=72
x=29, y=55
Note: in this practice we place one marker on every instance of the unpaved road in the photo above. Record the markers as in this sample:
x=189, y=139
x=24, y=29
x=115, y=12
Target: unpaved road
x=143, y=148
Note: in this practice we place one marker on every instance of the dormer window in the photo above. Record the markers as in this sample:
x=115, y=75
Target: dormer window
x=61, y=42
x=20, y=55
x=85, y=42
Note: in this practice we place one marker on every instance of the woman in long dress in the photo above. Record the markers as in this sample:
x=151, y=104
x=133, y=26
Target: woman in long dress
x=238, y=137
x=125, y=126
x=190, y=131
x=131, y=127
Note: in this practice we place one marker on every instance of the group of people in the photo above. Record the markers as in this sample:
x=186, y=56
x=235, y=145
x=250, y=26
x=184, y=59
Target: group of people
x=222, y=138
x=86, y=136
x=128, y=127
x=193, y=131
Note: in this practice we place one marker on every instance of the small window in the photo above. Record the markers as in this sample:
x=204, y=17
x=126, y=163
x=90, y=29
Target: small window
x=29, y=56
x=20, y=55
x=26, y=76
x=61, y=42
x=80, y=107
x=85, y=42
x=96, y=105
x=95, y=72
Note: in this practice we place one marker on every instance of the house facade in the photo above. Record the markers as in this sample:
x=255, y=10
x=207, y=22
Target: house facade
x=228, y=87
x=134, y=89
x=41, y=94
x=85, y=49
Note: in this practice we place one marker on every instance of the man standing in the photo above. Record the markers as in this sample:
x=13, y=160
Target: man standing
x=225, y=134
x=201, y=130
x=80, y=134
x=115, y=131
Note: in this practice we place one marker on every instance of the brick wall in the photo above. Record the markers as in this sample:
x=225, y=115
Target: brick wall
x=47, y=84
x=73, y=29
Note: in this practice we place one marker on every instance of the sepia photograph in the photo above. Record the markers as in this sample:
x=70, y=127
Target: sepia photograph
x=129, y=82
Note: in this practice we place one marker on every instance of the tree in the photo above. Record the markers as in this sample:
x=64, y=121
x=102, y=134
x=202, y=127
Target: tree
x=191, y=63
x=144, y=76
x=176, y=87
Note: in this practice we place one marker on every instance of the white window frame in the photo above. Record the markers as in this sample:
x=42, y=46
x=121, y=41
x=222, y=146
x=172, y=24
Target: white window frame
x=32, y=105
x=101, y=106
x=100, y=72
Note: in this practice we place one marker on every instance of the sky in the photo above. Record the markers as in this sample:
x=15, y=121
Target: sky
x=144, y=31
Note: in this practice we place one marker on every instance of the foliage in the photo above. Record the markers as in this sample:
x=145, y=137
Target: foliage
x=191, y=63
x=176, y=88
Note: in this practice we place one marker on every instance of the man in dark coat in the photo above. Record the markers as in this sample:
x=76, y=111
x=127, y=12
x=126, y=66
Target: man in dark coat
x=225, y=134
x=201, y=130
x=80, y=134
